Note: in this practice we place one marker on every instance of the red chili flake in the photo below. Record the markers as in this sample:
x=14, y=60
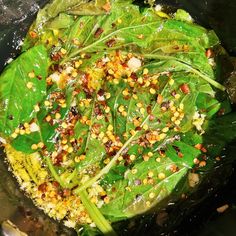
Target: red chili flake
x=58, y=159
x=134, y=76
x=209, y=53
x=177, y=149
x=76, y=91
x=51, y=122
x=87, y=56
x=159, y=99
x=21, y=126
x=110, y=43
x=74, y=111
x=74, y=142
x=56, y=67
x=55, y=56
x=55, y=184
x=103, y=197
x=112, y=153
x=10, y=117
x=97, y=110
x=98, y=32
x=154, y=86
x=203, y=149
x=198, y=146
x=117, y=53
x=180, y=154
x=165, y=104
x=124, y=64
x=176, y=47
x=39, y=77
x=101, y=92
x=85, y=79
x=71, y=132
x=113, y=25
x=162, y=152
x=80, y=140
x=151, y=117
x=185, y=88
x=127, y=162
x=96, y=128
x=66, y=193
x=173, y=93
x=149, y=109
x=116, y=148
x=107, y=7
x=108, y=144
x=137, y=182
x=138, y=128
x=33, y=34
x=221, y=112
x=60, y=193
x=43, y=187
x=127, y=98
x=174, y=168
x=88, y=96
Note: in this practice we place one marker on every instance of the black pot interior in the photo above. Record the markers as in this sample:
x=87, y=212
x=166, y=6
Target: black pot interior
x=14, y=22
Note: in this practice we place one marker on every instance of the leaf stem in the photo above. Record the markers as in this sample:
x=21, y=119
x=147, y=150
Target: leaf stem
x=97, y=217
x=53, y=171
x=208, y=79
x=76, y=52
x=195, y=71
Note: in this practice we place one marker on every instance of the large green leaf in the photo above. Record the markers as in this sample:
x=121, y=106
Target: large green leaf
x=136, y=194
x=17, y=98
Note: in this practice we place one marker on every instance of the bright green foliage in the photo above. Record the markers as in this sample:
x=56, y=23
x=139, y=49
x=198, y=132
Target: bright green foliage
x=173, y=50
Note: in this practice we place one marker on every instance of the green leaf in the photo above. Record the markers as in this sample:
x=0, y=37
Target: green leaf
x=47, y=132
x=52, y=9
x=17, y=101
x=62, y=21
x=135, y=195
x=207, y=104
x=88, y=231
x=89, y=8
x=182, y=15
x=220, y=132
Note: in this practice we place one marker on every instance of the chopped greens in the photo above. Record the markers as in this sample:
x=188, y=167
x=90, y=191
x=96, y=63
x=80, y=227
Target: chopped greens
x=111, y=111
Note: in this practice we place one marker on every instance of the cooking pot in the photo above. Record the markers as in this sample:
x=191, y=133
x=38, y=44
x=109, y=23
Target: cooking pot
x=15, y=18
